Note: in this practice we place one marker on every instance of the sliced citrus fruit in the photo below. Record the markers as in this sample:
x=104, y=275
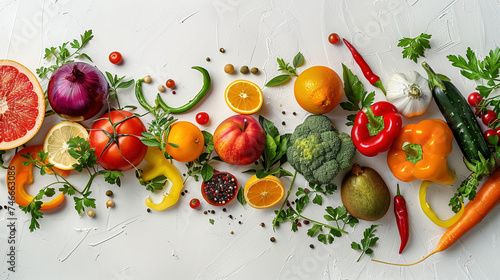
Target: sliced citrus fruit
x=56, y=143
x=265, y=192
x=22, y=104
x=244, y=97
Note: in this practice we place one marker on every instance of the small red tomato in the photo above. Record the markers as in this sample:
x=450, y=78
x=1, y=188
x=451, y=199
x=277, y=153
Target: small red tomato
x=115, y=58
x=194, y=203
x=474, y=99
x=498, y=131
x=334, y=38
x=202, y=118
x=489, y=117
x=488, y=133
x=170, y=83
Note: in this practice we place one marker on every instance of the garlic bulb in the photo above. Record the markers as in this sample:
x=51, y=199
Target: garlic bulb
x=409, y=93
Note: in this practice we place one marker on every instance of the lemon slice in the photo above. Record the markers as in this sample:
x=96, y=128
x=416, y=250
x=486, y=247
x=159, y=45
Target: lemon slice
x=56, y=143
x=244, y=97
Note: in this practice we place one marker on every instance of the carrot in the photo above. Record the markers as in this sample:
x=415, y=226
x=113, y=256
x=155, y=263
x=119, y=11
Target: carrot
x=486, y=199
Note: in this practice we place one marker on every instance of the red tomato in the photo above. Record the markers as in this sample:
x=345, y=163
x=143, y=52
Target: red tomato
x=170, y=83
x=489, y=117
x=115, y=58
x=194, y=203
x=474, y=99
x=488, y=133
x=202, y=118
x=334, y=38
x=124, y=151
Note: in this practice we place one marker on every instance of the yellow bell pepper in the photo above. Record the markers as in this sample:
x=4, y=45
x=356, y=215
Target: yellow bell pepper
x=159, y=165
x=430, y=213
x=420, y=151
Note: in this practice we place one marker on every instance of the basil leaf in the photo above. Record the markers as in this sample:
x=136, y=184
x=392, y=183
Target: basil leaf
x=278, y=80
x=298, y=60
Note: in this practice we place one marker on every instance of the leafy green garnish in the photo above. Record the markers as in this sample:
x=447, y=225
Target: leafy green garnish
x=64, y=54
x=241, y=197
x=289, y=71
x=356, y=95
x=475, y=69
x=79, y=149
x=413, y=48
x=369, y=240
x=158, y=130
x=211, y=221
x=116, y=83
x=201, y=165
x=303, y=194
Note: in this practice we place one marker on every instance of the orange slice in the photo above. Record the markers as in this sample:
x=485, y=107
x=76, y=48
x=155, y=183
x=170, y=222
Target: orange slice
x=265, y=192
x=244, y=97
x=56, y=143
x=22, y=104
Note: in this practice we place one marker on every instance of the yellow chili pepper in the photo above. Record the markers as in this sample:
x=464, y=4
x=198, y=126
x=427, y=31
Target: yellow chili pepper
x=430, y=213
x=159, y=165
x=420, y=151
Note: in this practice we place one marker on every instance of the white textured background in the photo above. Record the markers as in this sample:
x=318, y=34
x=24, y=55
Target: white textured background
x=164, y=39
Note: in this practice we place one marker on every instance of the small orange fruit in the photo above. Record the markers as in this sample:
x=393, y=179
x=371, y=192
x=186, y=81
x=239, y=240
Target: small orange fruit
x=185, y=141
x=265, y=192
x=244, y=97
x=318, y=89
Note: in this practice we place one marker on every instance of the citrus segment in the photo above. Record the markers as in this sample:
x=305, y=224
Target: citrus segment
x=318, y=89
x=22, y=104
x=244, y=97
x=265, y=192
x=56, y=143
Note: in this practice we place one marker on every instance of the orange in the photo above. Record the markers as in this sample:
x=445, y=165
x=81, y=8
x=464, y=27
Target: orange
x=244, y=97
x=187, y=139
x=22, y=104
x=265, y=192
x=318, y=89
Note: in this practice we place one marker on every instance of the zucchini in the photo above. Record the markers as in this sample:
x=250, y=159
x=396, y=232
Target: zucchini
x=461, y=121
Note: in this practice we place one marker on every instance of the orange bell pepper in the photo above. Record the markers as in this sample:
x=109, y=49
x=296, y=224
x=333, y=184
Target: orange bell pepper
x=420, y=151
x=20, y=175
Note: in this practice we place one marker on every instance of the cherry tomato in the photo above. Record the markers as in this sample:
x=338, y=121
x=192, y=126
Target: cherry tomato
x=202, y=118
x=115, y=58
x=194, y=203
x=488, y=133
x=170, y=83
x=334, y=38
x=474, y=99
x=121, y=149
x=478, y=112
x=489, y=117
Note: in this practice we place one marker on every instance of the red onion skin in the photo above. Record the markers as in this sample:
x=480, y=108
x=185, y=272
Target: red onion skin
x=77, y=91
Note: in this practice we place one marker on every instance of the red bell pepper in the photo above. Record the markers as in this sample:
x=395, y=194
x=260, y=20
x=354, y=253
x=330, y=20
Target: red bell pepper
x=375, y=128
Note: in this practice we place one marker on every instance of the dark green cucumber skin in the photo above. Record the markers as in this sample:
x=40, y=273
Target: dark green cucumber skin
x=461, y=121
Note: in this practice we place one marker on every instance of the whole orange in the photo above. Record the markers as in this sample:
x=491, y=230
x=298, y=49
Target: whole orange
x=318, y=89
x=185, y=141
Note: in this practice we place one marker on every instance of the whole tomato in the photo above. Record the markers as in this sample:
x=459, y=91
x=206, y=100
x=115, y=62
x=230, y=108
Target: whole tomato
x=118, y=150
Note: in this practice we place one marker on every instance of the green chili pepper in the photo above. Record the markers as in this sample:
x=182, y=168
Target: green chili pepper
x=184, y=108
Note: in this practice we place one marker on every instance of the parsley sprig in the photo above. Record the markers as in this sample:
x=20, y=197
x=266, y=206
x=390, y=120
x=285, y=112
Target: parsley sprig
x=356, y=95
x=116, y=83
x=369, y=240
x=79, y=149
x=413, y=48
x=64, y=54
x=289, y=70
x=303, y=194
x=158, y=130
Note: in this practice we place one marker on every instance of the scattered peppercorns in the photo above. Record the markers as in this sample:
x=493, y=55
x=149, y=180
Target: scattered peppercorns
x=272, y=239
x=283, y=112
x=306, y=222
x=283, y=122
x=254, y=70
x=222, y=50
x=295, y=114
x=311, y=246
x=148, y=210
x=229, y=68
x=224, y=210
x=232, y=232
x=161, y=88
x=262, y=224
x=205, y=212
x=182, y=193
x=230, y=216
x=1, y=207
x=109, y=193
x=239, y=222
x=213, y=211
x=207, y=59
x=147, y=79
x=244, y=69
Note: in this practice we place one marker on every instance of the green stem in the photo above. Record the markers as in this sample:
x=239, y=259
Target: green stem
x=286, y=198
x=319, y=223
x=433, y=79
x=89, y=183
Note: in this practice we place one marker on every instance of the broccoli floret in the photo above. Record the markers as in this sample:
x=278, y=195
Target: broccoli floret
x=318, y=151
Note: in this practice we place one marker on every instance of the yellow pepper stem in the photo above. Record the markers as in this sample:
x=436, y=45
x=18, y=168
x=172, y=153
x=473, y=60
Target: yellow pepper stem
x=430, y=213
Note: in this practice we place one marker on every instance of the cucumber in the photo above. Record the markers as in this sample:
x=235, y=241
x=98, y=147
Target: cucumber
x=460, y=119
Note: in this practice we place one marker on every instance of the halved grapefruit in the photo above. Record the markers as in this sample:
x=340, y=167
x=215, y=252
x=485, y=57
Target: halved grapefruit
x=22, y=104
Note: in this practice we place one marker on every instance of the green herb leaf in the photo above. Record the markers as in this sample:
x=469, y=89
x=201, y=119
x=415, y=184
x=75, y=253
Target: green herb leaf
x=356, y=95
x=211, y=221
x=413, y=48
x=241, y=197
x=278, y=80
x=369, y=240
x=298, y=60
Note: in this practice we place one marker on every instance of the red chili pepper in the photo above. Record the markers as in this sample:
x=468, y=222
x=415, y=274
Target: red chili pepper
x=375, y=128
x=401, y=219
x=367, y=72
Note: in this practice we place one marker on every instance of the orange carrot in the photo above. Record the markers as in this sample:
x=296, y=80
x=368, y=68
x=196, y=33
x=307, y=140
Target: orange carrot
x=486, y=199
